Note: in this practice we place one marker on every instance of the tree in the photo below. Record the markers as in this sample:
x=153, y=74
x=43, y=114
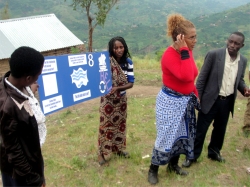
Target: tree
x=5, y=12
x=96, y=11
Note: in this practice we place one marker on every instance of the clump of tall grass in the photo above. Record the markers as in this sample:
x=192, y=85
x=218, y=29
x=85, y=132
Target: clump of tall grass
x=146, y=63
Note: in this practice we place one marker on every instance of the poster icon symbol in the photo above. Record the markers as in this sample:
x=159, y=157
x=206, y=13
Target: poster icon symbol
x=102, y=86
x=102, y=63
x=79, y=77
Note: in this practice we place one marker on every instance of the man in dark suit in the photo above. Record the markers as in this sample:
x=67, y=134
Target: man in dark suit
x=221, y=75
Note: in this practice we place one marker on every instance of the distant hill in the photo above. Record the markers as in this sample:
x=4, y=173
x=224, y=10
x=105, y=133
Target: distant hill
x=143, y=22
x=213, y=30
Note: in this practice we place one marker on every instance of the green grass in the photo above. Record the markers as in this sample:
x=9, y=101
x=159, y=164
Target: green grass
x=70, y=151
x=147, y=71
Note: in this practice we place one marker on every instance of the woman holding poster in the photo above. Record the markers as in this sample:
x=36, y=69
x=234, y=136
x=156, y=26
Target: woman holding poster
x=113, y=106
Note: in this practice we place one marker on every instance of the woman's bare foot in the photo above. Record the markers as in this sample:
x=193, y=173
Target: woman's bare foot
x=102, y=161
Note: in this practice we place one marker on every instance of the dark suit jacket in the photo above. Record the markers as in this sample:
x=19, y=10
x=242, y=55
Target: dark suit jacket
x=210, y=78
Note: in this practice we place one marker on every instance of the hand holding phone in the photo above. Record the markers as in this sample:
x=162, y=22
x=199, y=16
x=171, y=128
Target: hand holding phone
x=180, y=41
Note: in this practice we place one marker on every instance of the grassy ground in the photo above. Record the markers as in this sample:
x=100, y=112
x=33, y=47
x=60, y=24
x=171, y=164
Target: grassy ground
x=70, y=150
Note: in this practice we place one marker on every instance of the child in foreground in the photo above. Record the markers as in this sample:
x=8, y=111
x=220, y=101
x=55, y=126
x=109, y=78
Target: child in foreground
x=21, y=157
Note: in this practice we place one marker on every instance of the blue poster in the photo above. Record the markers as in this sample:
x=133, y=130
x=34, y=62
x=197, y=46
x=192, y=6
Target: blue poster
x=71, y=79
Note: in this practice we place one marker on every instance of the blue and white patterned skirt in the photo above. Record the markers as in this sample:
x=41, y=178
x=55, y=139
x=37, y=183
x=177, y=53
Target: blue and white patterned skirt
x=175, y=124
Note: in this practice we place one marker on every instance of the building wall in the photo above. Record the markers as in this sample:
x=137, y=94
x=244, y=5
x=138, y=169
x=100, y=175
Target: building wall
x=4, y=63
x=4, y=66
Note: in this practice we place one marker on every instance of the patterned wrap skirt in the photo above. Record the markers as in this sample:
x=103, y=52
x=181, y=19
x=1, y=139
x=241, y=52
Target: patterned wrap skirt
x=175, y=124
x=112, y=130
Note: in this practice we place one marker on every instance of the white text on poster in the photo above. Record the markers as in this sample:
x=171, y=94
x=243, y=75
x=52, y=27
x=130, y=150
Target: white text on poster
x=50, y=65
x=81, y=95
x=77, y=60
x=52, y=104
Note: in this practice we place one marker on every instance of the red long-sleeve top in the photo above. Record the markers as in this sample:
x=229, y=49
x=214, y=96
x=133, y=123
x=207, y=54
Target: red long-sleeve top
x=177, y=73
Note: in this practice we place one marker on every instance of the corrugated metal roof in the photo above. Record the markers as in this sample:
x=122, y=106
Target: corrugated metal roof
x=44, y=33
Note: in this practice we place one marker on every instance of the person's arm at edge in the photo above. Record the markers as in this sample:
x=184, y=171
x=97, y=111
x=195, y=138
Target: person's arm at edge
x=12, y=146
x=203, y=75
x=14, y=150
x=130, y=77
x=196, y=91
x=242, y=87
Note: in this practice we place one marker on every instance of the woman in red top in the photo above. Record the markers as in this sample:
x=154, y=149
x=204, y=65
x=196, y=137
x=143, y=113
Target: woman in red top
x=176, y=101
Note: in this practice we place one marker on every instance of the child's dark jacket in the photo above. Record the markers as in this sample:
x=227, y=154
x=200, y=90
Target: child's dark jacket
x=20, y=150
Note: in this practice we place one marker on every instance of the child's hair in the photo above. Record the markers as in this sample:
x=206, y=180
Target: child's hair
x=177, y=24
x=126, y=53
x=25, y=61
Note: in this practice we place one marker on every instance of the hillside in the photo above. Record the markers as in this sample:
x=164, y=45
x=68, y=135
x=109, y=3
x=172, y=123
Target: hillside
x=141, y=23
x=213, y=30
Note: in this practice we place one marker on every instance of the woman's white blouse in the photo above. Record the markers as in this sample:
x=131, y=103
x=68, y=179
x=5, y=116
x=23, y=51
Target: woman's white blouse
x=40, y=117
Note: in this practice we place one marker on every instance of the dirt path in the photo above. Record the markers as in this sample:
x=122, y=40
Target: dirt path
x=138, y=91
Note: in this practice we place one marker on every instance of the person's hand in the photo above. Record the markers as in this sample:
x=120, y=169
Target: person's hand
x=246, y=92
x=34, y=87
x=113, y=90
x=34, y=179
x=180, y=41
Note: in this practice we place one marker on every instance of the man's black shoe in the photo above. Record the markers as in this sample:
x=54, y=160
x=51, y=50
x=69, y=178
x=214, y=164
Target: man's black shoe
x=188, y=162
x=217, y=158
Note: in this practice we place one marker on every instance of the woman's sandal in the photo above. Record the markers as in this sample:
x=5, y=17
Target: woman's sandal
x=123, y=154
x=102, y=161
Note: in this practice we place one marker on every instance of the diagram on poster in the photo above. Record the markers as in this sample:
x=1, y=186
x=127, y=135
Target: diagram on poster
x=50, y=84
x=79, y=77
x=71, y=79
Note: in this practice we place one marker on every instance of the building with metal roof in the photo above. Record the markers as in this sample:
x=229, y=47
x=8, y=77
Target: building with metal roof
x=45, y=33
